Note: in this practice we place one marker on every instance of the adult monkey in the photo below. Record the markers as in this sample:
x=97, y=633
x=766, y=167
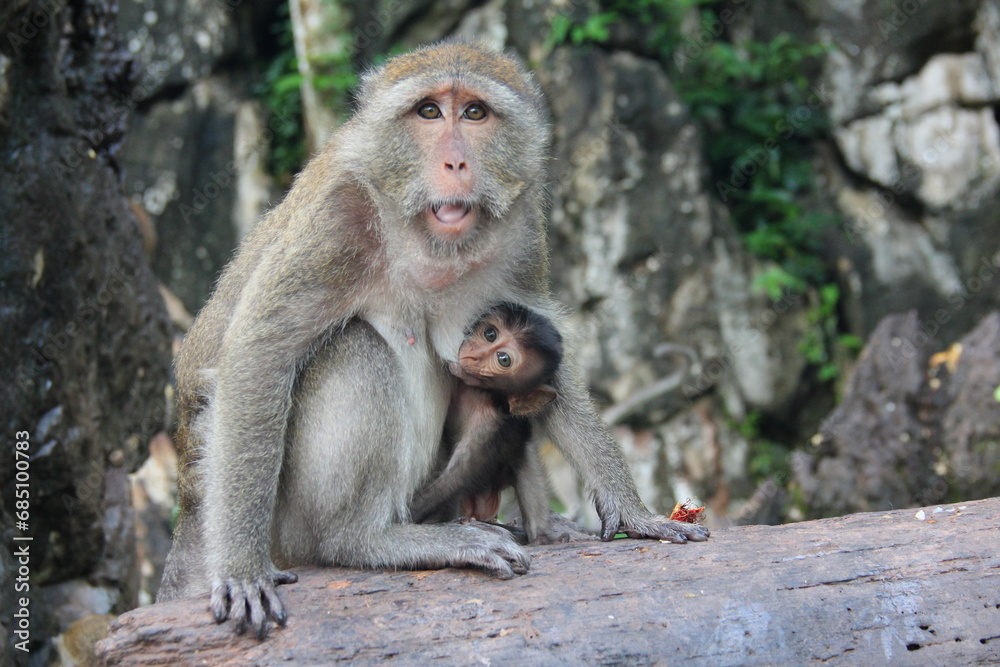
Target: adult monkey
x=319, y=358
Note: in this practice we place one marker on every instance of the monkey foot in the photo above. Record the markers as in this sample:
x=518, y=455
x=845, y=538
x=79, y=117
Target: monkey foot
x=497, y=553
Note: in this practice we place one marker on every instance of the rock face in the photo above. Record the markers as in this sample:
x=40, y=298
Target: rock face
x=84, y=333
x=195, y=165
x=913, y=428
x=195, y=153
x=644, y=255
x=967, y=421
x=912, y=90
x=872, y=453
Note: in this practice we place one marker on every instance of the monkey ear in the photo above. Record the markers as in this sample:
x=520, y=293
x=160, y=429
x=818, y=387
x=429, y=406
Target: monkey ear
x=524, y=405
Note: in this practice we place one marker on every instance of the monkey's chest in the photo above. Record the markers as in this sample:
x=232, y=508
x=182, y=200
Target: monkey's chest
x=425, y=388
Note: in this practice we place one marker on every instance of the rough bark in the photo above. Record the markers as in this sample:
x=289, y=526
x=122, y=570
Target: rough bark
x=861, y=589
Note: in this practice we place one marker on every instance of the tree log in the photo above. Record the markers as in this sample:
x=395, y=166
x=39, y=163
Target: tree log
x=864, y=589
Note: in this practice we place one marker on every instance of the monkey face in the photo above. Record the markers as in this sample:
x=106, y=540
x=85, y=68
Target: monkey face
x=442, y=130
x=494, y=357
x=452, y=128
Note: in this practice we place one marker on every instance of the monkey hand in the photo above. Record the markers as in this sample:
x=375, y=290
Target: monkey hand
x=647, y=524
x=496, y=551
x=250, y=602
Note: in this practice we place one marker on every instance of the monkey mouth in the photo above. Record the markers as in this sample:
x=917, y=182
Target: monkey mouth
x=451, y=220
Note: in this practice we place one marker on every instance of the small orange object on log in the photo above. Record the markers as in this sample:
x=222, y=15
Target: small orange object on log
x=684, y=512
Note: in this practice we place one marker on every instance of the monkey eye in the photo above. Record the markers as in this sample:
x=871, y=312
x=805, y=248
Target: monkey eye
x=429, y=110
x=475, y=112
x=504, y=359
x=490, y=334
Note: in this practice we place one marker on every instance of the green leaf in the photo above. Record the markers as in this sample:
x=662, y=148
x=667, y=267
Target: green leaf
x=852, y=343
x=828, y=372
x=775, y=281
x=559, y=29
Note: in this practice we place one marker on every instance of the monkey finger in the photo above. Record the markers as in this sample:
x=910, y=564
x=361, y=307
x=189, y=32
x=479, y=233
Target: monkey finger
x=238, y=607
x=690, y=532
x=496, y=565
x=258, y=617
x=519, y=560
x=696, y=533
x=516, y=558
x=611, y=523
x=274, y=606
x=665, y=535
x=219, y=601
x=520, y=565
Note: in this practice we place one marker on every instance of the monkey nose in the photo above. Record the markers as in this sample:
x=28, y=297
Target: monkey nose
x=456, y=166
x=470, y=357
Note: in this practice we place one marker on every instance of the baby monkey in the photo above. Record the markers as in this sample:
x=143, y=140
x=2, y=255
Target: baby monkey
x=506, y=365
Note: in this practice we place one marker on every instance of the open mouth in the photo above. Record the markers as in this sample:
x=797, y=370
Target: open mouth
x=451, y=219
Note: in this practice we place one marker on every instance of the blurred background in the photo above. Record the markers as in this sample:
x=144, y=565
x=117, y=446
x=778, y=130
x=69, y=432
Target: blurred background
x=798, y=195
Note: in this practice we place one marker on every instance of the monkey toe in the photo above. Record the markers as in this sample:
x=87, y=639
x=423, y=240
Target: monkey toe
x=238, y=607
x=698, y=533
x=274, y=606
x=219, y=602
x=690, y=532
x=520, y=567
x=506, y=565
x=560, y=530
x=499, y=568
x=517, y=559
x=258, y=617
x=499, y=553
x=282, y=577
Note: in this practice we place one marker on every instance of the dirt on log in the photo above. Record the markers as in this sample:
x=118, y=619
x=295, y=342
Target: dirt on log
x=861, y=589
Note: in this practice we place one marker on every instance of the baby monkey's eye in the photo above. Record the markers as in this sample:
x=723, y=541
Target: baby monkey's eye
x=490, y=334
x=429, y=110
x=504, y=359
x=475, y=112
